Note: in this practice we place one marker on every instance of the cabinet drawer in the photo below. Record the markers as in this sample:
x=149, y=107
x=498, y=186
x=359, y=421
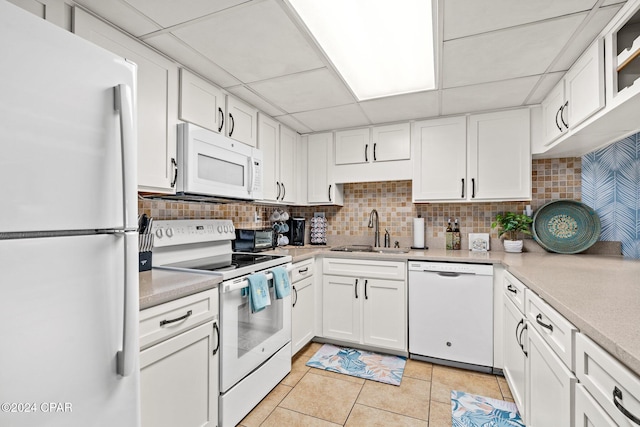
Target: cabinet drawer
x=602, y=375
x=553, y=327
x=302, y=269
x=391, y=270
x=203, y=306
x=514, y=290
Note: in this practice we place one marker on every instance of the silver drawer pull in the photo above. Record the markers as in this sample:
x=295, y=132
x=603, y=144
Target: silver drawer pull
x=617, y=394
x=303, y=270
x=510, y=288
x=544, y=325
x=177, y=319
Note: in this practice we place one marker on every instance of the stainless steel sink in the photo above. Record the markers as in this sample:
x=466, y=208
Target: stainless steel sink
x=353, y=248
x=367, y=248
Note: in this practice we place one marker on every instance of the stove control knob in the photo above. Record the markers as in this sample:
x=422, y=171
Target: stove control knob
x=226, y=229
x=159, y=233
x=169, y=232
x=232, y=229
x=219, y=229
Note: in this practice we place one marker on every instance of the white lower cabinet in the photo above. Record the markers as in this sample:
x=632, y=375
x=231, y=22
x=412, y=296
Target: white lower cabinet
x=550, y=385
x=514, y=355
x=614, y=389
x=179, y=374
x=303, y=303
x=365, y=303
x=587, y=412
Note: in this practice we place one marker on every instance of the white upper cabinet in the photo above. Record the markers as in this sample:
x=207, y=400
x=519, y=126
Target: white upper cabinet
x=352, y=146
x=391, y=142
x=201, y=103
x=278, y=144
x=440, y=159
x=499, y=156
x=321, y=188
x=577, y=96
x=378, y=153
x=157, y=101
x=487, y=160
x=241, y=121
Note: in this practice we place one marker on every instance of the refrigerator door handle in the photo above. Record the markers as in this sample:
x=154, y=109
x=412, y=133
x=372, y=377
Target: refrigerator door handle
x=124, y=105
x=127, y=356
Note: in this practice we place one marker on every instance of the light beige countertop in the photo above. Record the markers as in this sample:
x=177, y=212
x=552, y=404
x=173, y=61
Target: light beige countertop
x=599, y=294
x=159, y=286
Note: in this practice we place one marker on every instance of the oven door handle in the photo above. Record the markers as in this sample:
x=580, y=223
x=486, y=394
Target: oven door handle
x=237, y=285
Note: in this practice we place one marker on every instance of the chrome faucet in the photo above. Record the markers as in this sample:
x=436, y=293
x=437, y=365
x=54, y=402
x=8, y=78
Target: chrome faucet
x=376, y=233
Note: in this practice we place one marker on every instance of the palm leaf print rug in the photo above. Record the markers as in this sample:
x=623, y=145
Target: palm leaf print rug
x=359, y=363
x=470, y=410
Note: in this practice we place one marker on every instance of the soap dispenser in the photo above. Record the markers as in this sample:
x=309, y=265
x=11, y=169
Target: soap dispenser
x=387, y=239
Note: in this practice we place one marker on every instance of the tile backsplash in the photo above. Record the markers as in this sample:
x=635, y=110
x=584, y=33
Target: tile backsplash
x=552, y=179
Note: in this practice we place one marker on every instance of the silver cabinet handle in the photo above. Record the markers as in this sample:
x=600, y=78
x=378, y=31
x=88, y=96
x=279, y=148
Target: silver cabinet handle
x=544, y=325
x=217, y=330
x=511, y=289
x=221, y=119
x=177, y=319
x=617, y=394
x=356, y=288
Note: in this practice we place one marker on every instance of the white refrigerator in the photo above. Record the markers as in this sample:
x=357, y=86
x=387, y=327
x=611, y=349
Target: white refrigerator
x=68, y=220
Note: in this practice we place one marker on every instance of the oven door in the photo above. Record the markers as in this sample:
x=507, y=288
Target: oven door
x=249, y=339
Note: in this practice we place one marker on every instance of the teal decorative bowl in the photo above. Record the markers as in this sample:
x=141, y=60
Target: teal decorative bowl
x=566, y=226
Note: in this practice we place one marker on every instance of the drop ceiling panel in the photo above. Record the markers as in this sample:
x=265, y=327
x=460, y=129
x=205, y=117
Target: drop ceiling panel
x=192, y=59
x=293, y=124
x=255, y=100
x=580, y=42
x=304, y=91
x=344, y=116
x=488, y=96
x=547, y=82
x=516, y=52
x=253, y=42
x=463, y=17
x=121, y=14
x=402, y=107
x=171, y=12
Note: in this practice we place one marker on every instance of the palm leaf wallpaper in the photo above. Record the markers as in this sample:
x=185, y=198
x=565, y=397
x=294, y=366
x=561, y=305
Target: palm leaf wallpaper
x=611, y=186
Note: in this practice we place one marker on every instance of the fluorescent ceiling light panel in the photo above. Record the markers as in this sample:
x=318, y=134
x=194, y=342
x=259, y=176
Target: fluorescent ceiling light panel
x=380, y=47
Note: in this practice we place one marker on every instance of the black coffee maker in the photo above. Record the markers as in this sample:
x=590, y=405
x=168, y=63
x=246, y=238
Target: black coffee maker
x=296, y=231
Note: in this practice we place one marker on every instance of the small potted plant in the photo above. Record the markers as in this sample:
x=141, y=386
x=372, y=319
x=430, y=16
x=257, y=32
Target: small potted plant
x=512, y=225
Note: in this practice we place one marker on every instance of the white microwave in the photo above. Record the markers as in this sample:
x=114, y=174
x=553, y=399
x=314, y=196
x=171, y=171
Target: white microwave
x=211, y=164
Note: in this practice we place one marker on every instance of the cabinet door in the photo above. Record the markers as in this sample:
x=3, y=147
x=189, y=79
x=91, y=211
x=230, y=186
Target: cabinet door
x=587, y=411
x=241, y=121
x=384, y=312
x=201, y=103
x=513, y=354
x=288, y=139
x=302, y=313
x=499, y=165
x=157, y=101
x=319, y=150
x=584, y=84
x=341, y=307
x=550, y=385
x=179, y=380
x=268, y=142
x=352, y=146
x=552, y=126
x=392, y=142
x=440, y=159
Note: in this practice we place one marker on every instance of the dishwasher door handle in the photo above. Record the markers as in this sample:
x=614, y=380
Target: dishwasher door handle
x=452, y=273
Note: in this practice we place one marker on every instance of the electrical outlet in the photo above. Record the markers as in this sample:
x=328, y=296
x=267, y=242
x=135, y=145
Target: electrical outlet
x=257, y=217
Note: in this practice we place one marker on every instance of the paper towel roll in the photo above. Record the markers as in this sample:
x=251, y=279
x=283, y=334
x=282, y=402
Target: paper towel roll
x=418, y=232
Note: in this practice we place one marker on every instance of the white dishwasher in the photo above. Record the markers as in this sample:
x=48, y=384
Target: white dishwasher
x=451, y=314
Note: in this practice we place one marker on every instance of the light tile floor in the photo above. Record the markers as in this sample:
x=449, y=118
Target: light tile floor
x=312, y=397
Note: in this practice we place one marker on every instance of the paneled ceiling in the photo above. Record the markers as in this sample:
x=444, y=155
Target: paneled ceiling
x=491, y=54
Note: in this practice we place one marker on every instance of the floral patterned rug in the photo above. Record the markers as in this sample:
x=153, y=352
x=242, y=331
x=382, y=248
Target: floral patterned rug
x=470, y=410
x=359, y=363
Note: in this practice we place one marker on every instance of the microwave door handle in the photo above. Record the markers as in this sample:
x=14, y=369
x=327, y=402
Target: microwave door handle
x=124, y=105
x=252, y=175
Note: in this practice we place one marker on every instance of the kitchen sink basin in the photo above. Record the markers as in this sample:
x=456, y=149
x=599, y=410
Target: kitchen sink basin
x=367, y=248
